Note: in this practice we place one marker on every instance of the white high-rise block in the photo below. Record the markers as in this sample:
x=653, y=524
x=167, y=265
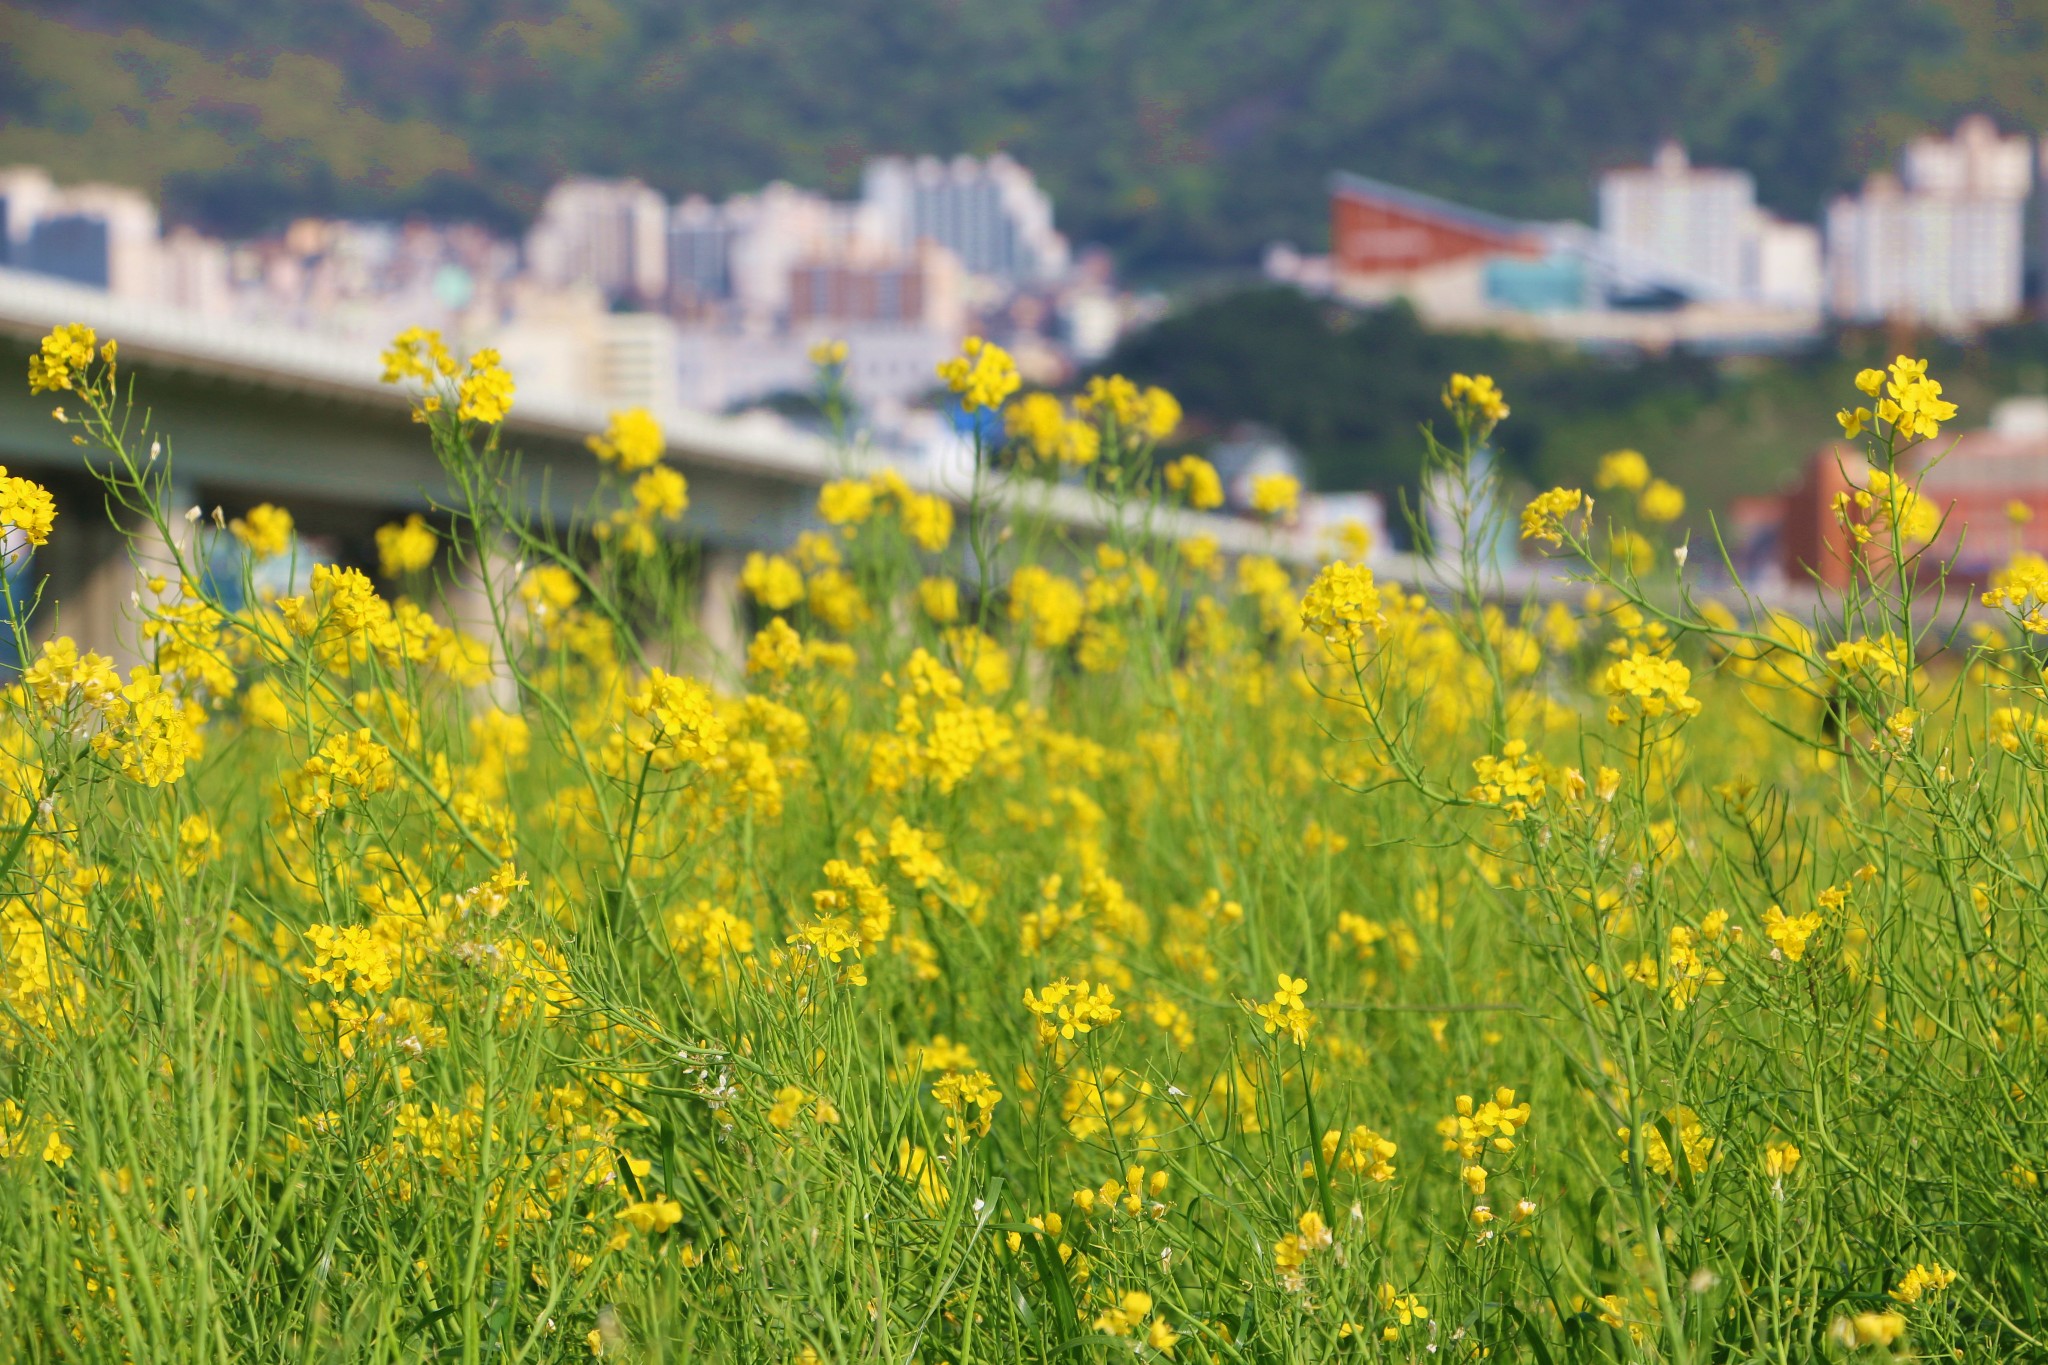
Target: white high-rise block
x=612, y=234
x=1685, y=225
x=1786, y=270
x=1944, y=243
x=25, y=195
x=991, y=214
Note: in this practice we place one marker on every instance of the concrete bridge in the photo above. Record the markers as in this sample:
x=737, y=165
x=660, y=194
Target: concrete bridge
x=256, y=414
x=262, y=414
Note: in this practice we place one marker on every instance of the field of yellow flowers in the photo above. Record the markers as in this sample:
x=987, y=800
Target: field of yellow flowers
x=1044, y=948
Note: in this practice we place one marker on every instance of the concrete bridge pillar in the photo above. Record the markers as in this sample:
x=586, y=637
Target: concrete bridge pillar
x=474, y=598
x=721, y=612
x=103, y=598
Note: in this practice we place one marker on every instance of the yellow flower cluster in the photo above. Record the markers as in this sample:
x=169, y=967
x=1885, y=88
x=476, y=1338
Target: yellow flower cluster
x=266, y=530
x=406, y=547
x=1912, y=405
x=1789, y=933
x=1129, y=1316
x=1196, y=480
x=1513, y=781
x=63, y=358
x=27, y=507
x=347, y=768
x=1068, y=1009
x=1475, y=397
x=1648, y=685
x=1293, y=1252
x=1361, y=1152
x=958, y=1093
x=1045, y=437
x=1860, y=1330
x=1694, y=1142
x=1276, y=495
x=632, y=441
x=1922, y=1281
x=1623, y=470
x=1661, y=501
x=1285, y=1012
x=772, y=580
x=1342, y=604
x=482, y=389
x=484, y=393
x=1546, y=515
x=1051, y=606
x=926, y=518
x=143, y=729
x=681, y=725
x=418, y=353
x=1126, y=409
x=983, y=375
x=1884, y=657
x=1490, y=1125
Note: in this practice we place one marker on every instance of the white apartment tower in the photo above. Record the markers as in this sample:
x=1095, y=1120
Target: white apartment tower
x=1680, y=220
x=608, y=234
x=991, y=214
x=103, y=236
x=1943, y=242
x=25, y=196
x=1699, y=230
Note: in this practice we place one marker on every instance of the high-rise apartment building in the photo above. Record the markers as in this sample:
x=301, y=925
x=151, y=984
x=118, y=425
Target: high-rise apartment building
x=195, y=274
x=104, y=236
x=1941, y=243
x=611, y=235
x=700, y=243
x=779, y=228
x=991, y=214
x=1680, y=220
x=25, y=195
x=1698, y=230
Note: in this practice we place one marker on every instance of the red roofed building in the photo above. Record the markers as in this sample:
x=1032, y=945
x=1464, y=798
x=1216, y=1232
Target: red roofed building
x=1974, y=481
x=1388, y=242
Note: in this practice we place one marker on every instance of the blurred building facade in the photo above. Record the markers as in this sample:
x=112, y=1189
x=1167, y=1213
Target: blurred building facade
x=991, y=214
x=611, y=235
x=1683, y=256
x=1941, y=243
x=1989, y=487
x=1701, y=226
x=101, y=236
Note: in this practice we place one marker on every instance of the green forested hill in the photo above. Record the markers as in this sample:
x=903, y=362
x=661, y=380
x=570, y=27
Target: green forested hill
x=1185, y=133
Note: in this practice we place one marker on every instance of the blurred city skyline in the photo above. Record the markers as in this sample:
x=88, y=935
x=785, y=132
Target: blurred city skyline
x=1182, y=140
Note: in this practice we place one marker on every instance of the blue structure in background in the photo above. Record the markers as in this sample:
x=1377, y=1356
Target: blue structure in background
x=985, y=420
x=20, y=584
x=72, y=247
x=1554, y=284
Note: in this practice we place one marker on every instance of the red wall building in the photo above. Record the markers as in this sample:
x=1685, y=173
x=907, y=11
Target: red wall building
x=1972, y=480
x=1379, y=229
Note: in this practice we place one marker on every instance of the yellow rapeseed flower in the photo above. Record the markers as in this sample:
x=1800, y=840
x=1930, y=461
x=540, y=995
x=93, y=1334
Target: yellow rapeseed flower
x=983, y=375
x=1545, y=516
x=405, y=547
x=1276, y=495
x=1661, y=501
x=266, y=530
x=632, y=441
x=62, y=359
x=1622, y=470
